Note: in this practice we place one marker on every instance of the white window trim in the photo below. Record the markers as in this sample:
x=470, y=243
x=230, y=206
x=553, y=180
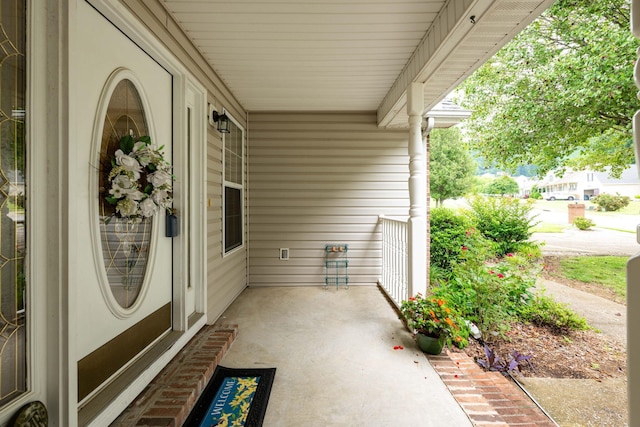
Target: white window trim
x=241, y=187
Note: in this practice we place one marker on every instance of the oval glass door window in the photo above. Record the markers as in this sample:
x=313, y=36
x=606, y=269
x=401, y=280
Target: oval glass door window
x=125, y=242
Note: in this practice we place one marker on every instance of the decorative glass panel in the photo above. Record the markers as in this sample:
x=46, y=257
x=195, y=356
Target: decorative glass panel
x=13, y=298
x=125, y=242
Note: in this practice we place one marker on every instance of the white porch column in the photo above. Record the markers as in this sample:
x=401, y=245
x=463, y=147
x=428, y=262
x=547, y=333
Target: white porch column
x=417, y=193
x=426, y=134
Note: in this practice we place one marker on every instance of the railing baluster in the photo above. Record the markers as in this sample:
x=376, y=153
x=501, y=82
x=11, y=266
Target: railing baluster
x=395, y=259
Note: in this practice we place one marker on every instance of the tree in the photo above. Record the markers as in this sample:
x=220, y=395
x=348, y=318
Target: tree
x=502, y=185
x=451, y=166
x=561, y=93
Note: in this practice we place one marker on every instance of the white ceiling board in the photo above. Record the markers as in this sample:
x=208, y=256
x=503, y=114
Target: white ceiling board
x=346, y=55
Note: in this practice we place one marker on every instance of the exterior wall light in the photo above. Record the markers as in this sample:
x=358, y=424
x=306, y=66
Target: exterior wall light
x=221, y=119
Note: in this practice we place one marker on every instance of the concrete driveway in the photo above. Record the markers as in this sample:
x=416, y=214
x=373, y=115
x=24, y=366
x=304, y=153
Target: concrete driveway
x=597, y=241
x=605, y=238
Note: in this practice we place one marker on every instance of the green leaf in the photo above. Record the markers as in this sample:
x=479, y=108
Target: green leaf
x=111, y=200
x=126, y=144
x=559, y=93
x=146, y=139
x=451, y=165
x=148, y=189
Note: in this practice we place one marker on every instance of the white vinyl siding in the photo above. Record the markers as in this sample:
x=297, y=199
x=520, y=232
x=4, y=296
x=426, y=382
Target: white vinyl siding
x=318, y=178
x=227, y=276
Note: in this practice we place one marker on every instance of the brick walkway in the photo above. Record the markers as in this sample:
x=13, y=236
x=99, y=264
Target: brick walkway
x=167, y=401
x=488, y=398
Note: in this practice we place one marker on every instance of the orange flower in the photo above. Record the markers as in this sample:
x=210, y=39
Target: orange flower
x=440, y=302
x=449, y=321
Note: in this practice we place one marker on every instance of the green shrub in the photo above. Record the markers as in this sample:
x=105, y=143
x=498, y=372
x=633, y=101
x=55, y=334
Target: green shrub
x=503, y=220
x=535, y=194
x=543, y=310
x=447, y=236
x=452, y=233
x=529, y=252
x=611, y=203
x=583, y=223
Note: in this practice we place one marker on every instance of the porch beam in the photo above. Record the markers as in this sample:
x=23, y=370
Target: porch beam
x=452, y=35
x=447, y=31
x=417, y=224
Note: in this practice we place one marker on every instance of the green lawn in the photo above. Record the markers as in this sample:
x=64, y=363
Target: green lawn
x=547, y=227
x=561, y=206
x=608, y=271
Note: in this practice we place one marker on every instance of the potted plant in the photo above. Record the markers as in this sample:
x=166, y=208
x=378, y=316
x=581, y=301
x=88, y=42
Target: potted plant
x=434, y=323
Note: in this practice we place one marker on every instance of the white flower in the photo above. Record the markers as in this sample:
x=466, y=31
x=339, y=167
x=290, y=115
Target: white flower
x=160, y=196
x=127, y=162
x=125, y=178
x=138, y=146
x=147, y=207
x=159, y=178
x=144, y=155
x=162, y=200
x=127, y=207
x=134, y=195
x=122, y=181
x=117, y=192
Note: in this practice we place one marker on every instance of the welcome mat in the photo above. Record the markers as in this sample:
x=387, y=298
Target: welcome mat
x=235, y=397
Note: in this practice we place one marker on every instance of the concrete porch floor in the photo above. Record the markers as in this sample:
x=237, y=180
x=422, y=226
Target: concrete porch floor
x=335, y=359
x=339, y=363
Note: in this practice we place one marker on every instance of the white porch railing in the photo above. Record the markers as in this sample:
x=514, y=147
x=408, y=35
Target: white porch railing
x=395, y=259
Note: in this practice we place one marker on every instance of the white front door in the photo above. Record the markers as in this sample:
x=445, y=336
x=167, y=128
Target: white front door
x=121, y=270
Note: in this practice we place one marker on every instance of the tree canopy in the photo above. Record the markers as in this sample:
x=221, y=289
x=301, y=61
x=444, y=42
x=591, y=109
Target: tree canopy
x=561, y=93
x=450, y=164
x=504, y=185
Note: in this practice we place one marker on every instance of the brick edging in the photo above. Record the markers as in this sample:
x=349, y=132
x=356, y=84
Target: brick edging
x=488, y=398
x=171, y=395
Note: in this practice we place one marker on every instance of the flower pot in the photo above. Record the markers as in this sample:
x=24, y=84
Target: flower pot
x=430, y=345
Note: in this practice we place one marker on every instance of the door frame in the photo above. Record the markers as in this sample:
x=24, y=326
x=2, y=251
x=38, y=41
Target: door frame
x=39, y=270
x=190, y=254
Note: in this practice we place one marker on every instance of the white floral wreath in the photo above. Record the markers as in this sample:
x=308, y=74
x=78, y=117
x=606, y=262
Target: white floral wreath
x=140, y=179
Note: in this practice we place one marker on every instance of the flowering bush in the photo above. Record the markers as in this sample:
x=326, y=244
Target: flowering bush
x=491, y=293
x=140, y=179
x=433, y=317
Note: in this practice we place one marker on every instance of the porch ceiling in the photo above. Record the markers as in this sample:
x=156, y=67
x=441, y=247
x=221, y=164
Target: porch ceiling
x=348, y=55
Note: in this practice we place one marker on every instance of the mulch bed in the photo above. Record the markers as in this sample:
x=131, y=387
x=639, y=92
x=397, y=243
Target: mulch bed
x=577, y=354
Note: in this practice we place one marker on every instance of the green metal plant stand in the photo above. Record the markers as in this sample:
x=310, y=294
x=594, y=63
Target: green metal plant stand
x=336, y=262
